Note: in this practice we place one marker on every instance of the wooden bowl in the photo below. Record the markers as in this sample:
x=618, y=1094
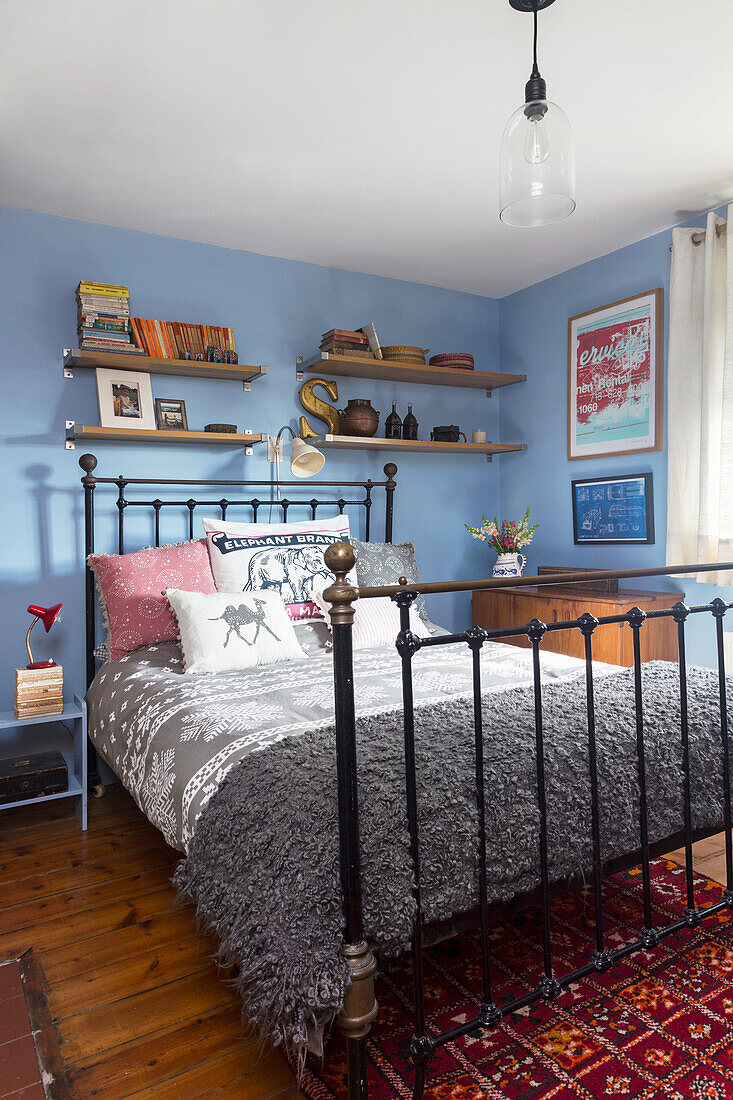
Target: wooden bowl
x=405, y=353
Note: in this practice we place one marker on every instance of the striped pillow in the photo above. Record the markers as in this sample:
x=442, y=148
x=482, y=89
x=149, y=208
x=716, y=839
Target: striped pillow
x=376, y=621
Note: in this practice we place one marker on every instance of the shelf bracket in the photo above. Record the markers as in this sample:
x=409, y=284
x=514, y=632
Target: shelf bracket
x=246, y=386
x=68, y=369
x=489, y=393
x=70, y=440
x=298, y=369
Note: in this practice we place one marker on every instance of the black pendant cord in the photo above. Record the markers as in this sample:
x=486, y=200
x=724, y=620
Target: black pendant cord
x=535, y=67
x=535, y=90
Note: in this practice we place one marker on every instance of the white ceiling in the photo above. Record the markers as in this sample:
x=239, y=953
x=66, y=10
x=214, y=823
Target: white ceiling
x=363, y=135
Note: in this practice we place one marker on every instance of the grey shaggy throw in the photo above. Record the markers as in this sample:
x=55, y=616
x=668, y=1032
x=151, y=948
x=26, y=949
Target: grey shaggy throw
x=263, y=866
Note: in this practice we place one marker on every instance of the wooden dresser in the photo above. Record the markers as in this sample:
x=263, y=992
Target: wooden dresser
x=510, y=607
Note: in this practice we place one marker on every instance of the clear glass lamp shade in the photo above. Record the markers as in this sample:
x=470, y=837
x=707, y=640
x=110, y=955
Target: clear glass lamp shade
x=537, y=166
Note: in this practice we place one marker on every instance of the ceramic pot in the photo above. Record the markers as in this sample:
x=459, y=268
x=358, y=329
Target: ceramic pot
x=359, y=418
x=509, y=565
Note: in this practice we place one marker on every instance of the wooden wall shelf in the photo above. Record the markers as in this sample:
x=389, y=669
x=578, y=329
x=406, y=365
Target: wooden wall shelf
x=377, y=443
x=385, y=370
x=145, y=435
x=120, y=360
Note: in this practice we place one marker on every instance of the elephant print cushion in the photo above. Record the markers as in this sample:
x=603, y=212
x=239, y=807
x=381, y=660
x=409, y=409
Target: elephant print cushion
x=286, y=558
x=230, y=630
x=131, y=589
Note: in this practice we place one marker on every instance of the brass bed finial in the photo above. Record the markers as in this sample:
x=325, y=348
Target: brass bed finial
x=340, y=560
x=88, y=464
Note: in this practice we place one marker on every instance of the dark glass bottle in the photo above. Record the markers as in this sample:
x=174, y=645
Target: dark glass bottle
x=409, y=425
x=393, y=424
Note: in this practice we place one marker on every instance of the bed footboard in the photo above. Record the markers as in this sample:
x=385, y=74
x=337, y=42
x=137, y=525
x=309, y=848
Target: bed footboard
x=361, y=1006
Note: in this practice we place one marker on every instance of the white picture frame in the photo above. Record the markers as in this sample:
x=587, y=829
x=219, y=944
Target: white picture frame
x=125, y=399
x=616, y=378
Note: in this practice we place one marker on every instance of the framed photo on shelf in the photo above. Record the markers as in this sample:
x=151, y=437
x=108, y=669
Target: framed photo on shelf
x=125, y=399
x=170, y=414
x=613, y=511
x=615, y=378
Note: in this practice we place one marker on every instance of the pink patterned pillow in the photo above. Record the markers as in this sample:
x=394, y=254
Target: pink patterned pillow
x=131, y=586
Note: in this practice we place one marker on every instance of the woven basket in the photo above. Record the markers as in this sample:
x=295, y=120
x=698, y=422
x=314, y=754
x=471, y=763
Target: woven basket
x=459, y=360
x=406, y=353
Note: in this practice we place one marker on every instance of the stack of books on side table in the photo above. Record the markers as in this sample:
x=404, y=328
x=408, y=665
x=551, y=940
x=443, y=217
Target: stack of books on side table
x=340, y=341
x=103, y=317
x=39, y=691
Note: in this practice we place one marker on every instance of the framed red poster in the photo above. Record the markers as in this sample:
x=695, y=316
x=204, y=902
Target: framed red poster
x=615, y=378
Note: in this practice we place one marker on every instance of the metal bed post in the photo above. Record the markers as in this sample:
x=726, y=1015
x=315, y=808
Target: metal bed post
x=360, y=1005
x=88, y=464
x=719, y=608
x=389, y=472
x=636, y=618
x=548, y=987
x=408, y=644
x=601, y=958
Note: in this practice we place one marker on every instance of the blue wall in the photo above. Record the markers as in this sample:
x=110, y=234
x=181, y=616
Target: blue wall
x=533, y=339
x=278, y=309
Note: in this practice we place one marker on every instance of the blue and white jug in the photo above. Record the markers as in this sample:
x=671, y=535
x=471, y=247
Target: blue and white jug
x=509, y=565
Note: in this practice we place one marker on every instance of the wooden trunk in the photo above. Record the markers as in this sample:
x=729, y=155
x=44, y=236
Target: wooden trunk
x=512, y=607
x=24, y=777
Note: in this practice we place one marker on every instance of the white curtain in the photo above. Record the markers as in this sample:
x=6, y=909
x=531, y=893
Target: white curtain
x=700, y=400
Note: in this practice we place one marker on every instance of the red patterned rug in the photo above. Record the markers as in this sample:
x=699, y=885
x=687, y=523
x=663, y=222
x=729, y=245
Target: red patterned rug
x=659, y=1025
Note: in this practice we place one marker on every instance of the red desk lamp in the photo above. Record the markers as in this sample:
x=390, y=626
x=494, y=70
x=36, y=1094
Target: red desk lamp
x=48, y=616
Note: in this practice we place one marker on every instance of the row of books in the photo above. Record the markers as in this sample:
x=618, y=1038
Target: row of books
x=39, y=691
x=341, y=341
x=178, y=340
x=103, y=317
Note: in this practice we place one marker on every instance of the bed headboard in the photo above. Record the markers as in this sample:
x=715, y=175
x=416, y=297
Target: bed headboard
x=176, y=499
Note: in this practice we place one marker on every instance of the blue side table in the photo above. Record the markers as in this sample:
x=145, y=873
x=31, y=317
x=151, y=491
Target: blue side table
x=74, y=719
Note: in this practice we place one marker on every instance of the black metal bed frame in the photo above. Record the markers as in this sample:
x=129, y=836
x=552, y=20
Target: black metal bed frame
x=360, y=1008
x=91, y=482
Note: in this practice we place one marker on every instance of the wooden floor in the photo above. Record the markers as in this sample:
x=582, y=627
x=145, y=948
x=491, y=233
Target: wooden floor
x=139, y=1006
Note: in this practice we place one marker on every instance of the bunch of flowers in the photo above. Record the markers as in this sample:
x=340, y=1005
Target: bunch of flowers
x=507, y=537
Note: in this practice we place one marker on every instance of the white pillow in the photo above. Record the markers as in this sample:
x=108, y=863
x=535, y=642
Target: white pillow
x=286, y=557
x=376, y=621
x=230, y=630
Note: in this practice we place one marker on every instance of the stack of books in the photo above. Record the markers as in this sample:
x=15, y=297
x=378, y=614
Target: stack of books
x=39, y=691
x=103, y=317
x=177, y=340
x=341, y=341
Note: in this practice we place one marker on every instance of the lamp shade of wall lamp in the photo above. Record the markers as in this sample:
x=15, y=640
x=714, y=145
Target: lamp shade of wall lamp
x=305, y=459
x=48, y=616
x=537, y=158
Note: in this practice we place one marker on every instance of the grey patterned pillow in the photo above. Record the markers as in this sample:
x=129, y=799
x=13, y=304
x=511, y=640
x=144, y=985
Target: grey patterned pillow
x=384, y=563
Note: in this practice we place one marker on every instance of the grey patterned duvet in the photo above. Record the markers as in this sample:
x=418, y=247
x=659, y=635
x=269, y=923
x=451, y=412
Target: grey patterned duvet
x=172, y=738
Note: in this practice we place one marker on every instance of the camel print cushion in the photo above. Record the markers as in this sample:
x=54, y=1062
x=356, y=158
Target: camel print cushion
x=230, y=630
x=284, y=557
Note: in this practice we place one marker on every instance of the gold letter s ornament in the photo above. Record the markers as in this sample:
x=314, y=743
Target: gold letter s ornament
x=319, y=408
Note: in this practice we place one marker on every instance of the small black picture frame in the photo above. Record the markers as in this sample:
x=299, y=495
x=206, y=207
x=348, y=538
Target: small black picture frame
x=613, y=511
x=170, y=414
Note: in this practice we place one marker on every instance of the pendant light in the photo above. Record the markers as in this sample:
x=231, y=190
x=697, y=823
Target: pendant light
x=537, y=160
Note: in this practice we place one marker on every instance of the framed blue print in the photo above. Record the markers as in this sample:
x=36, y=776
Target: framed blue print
x=613, y=510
